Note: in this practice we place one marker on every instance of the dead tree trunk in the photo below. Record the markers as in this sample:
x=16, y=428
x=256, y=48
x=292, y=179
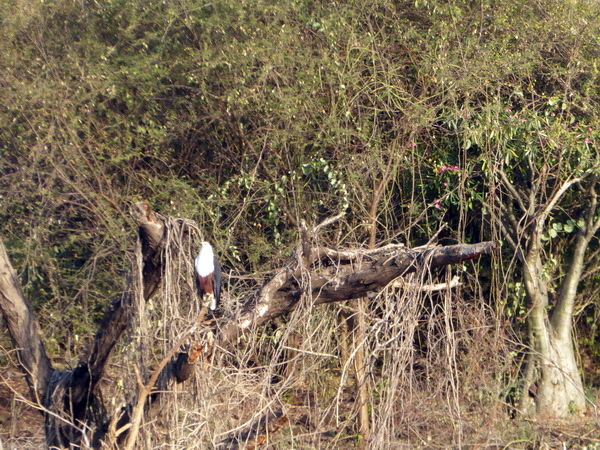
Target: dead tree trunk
x=68, y=398
x=75, y=413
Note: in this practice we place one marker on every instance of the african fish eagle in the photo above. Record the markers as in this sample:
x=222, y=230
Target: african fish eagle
x=208, y=276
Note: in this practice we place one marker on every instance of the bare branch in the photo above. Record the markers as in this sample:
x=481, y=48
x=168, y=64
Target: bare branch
x=400, y=283
x=556, y=197
x=508, y=236
x=341, y=255
x=512, y=220
x=115, y=320
x=256, y=434
x=328, y=222
x=333, y=275
x=144, y=390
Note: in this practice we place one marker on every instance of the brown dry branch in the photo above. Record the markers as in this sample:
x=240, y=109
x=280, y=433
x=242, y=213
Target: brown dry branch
x=318, y=274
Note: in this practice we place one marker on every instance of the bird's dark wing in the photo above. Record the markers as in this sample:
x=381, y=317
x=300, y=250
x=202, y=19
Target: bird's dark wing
x=198, y=284
x=217, y=280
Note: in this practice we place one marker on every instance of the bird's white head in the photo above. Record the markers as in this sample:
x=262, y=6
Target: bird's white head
x=204, y=263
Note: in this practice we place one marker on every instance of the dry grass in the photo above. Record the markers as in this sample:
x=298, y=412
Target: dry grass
x=21, y=425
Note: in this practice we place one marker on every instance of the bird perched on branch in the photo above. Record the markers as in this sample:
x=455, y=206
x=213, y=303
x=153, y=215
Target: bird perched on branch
x=208, y=276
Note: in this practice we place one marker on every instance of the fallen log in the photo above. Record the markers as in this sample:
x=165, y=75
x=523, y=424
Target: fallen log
x=343, y=275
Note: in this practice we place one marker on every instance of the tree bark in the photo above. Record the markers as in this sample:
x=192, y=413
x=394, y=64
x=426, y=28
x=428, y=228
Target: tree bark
x=552, y=366
x=560, y=391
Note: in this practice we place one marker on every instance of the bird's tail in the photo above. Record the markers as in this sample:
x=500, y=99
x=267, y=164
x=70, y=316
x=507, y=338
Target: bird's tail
x=210, y=302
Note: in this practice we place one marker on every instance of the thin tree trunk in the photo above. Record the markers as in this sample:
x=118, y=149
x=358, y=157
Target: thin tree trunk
x=360, y=369
x=552, y=364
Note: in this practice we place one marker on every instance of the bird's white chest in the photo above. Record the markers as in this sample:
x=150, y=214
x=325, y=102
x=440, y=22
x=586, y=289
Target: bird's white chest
x=204, y=263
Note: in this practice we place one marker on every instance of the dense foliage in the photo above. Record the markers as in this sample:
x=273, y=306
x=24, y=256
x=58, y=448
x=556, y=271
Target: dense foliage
x=250, y=116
